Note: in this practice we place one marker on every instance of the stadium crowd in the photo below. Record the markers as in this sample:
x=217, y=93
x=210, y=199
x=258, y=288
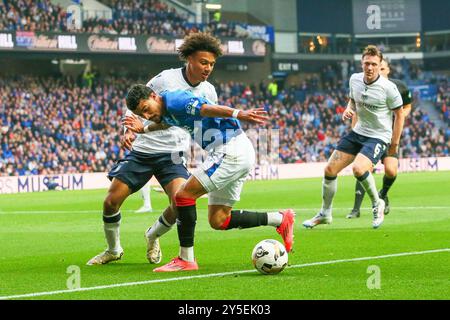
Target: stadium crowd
x=59, y=125
x=131, y=17
x=443, y=100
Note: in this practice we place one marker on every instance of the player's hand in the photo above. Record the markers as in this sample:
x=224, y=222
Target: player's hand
x=256, y=116
x=348, y=114
x=133, y=123
x=393, y=150
x=126, y=140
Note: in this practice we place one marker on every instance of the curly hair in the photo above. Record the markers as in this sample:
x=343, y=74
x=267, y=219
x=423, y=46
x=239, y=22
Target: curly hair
x=199, y=41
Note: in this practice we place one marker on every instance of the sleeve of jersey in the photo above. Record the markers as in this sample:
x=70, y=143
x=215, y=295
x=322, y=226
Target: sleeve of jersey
x=394, y=98
x=183, y=102
x=350, y=93
x=194, y=105
x=156, y=84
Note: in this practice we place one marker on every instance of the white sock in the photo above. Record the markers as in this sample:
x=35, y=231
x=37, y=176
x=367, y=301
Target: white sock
x=274, y=219
x=112, y=233
x=329, y=188
x=145, y=192
x=368, y=182
x=187, y=254
x=160, y=227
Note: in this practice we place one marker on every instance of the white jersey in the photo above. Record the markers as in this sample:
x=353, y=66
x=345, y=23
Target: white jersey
x=173, y=138
x=374, y=105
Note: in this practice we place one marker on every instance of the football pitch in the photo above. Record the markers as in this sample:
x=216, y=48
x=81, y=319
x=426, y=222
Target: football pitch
x=48, y=237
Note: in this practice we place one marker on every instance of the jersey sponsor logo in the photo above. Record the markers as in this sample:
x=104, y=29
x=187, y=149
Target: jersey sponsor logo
x=368, y=106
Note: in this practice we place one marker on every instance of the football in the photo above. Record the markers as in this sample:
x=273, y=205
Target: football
x=269, y=257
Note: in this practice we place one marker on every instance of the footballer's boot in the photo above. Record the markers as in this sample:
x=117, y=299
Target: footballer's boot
x=154, y=254
x=105, y=257
x=177, y=264
x=354, y=214
x=144, y=209
x=378, y=214
x=319, y=218
x=387, y=208
x=286, y=228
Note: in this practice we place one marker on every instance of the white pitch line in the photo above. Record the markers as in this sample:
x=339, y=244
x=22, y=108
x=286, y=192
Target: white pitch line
x=200, y=209
x=129, y=284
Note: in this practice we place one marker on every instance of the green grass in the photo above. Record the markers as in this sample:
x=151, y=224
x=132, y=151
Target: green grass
x=42, y=234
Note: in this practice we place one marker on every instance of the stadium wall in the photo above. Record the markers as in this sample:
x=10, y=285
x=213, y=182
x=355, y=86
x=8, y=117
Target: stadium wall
x=85, y=181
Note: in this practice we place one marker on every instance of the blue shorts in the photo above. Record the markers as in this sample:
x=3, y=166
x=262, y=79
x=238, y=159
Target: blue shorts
x=137, y=168
x=354, y=143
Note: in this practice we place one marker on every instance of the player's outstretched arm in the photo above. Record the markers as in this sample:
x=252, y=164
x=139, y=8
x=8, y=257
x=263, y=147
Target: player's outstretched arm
x=256, y=116
x=134, y=124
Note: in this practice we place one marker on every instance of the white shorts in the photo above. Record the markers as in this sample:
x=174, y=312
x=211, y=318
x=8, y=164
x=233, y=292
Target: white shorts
x=225, y=169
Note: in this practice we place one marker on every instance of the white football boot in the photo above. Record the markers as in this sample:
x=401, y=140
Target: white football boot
x=105, y=257
x=378, y=214
x=319, y=218
x=154, y=254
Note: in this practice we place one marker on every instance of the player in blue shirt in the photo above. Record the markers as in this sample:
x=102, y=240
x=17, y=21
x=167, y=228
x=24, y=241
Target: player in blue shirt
x=230, y=158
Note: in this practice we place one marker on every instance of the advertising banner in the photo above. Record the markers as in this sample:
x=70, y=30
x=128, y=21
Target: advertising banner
x=85, y=181
x=386, y=16
x=116, y=44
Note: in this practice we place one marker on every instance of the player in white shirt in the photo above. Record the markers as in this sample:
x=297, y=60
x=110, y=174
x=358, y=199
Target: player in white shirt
x=390, y=157
x=374, y=99
x=158, y=153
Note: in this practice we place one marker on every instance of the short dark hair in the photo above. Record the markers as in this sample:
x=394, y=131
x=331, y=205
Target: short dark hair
x=199, y=41
x=372, y=50
x=137, y=93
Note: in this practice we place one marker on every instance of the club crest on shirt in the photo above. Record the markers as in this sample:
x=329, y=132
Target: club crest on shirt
x=190, y=107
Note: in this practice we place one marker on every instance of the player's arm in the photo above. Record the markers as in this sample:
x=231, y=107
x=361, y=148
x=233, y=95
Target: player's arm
x=407, y=109
x=399, y=121
x=395, y=103
x=134, y=124
x=256, y=116
x=406, y=97
x=127, y=137
x=354, y=120
x=350, y=111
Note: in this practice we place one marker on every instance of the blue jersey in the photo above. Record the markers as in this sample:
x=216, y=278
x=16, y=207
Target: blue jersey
x=183, y=110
